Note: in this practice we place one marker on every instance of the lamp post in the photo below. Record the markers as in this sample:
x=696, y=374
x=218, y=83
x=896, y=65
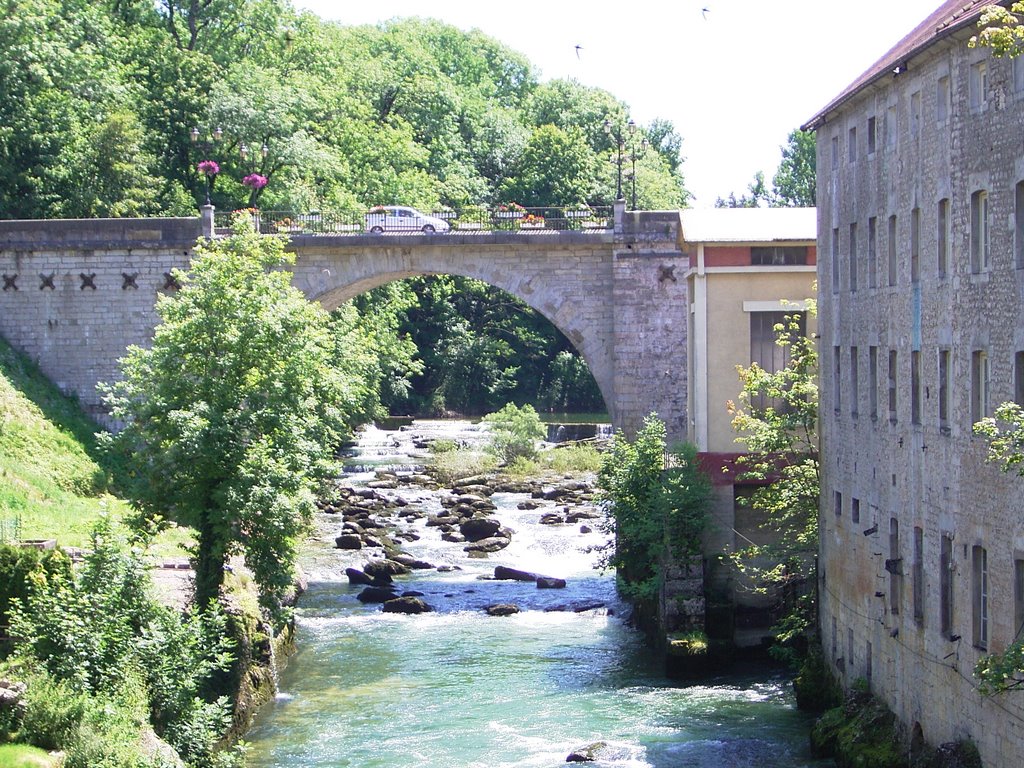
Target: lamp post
x=620, y=143
x=209, y=168
x=635, y=155
x=626, y=147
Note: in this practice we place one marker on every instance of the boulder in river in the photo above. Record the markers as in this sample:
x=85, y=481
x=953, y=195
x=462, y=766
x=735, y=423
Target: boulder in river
x=588, y=754
x=411, y=562
x=389, y=567
x=376, y=595
x=551, y=518
x=479, y=528
x=493, y=544
x=547, y=582
x=504, y=573
x=355, y=576
x=406, y=604
x=502, y=609
x=349, y=541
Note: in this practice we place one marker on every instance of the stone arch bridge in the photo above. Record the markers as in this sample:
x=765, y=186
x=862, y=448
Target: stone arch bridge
x=75, y=293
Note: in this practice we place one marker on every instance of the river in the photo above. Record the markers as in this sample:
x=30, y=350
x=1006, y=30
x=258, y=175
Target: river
x=457, y=688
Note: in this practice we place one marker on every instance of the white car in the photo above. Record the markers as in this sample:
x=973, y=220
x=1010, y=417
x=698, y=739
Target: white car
x=399, y=218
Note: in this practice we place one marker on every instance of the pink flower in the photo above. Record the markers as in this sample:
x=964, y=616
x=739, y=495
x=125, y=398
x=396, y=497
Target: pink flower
x=255, y=181
x=209, y=167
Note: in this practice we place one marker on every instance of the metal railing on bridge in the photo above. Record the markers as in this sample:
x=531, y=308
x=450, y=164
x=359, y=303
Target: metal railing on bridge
x=404, y=220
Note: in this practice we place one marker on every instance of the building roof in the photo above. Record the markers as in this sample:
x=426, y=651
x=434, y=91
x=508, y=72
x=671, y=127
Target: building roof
x=748, y=225
x=949, y=17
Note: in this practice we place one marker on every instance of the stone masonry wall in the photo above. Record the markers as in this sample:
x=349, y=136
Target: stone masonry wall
x=899, y=486
x=651, y=305
x=616, y=297
x=75, y=294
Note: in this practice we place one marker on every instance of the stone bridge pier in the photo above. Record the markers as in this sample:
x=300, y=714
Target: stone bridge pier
x=75, y=294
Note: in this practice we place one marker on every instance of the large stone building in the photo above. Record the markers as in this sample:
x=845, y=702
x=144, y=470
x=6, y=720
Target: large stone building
x=921, y=277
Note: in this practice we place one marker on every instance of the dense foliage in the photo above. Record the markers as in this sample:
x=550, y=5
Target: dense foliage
x=1002, y=30
x=104, y=661
x=776, y=420
x=514, y=432
x=657, y=503
x=231, y=415
x=100, y=100
x=457, y=344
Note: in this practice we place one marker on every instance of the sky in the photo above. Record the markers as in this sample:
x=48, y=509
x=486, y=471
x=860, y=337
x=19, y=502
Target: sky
x=733, y=76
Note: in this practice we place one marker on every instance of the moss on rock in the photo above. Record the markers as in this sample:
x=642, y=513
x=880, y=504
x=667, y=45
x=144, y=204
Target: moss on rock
x=860, y=733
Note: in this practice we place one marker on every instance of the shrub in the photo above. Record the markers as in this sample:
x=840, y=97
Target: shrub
x=53, y=714
x=657, y=507
x=16, y=566
x=514, y=432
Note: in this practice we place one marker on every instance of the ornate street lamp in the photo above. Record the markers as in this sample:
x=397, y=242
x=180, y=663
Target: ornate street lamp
x=620, y=142
x=636, y=153
x=209, y=168
x=626, y=148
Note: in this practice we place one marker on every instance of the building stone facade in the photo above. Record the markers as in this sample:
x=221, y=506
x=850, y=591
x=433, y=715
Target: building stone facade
x=921, y=278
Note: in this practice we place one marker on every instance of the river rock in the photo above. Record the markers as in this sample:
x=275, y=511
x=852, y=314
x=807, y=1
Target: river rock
x=551, y=518
x=513, y=486
x=504, y=573
x=581, y=514
x=383, y=484
x=493, y=544
x=548, y=582
x=389, y=567
x=453, y=537
x=479, y=528
x=355, y=576
x=376, y=595
x=406, y=605
x=586, y=529
x=411, y=562
x=528, y=504
x=502, y=609
x=463, y=511
x=477, y=489
x=348, y=541
x=588, y=754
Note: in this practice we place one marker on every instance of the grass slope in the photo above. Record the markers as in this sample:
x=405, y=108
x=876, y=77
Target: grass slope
x=52, y=477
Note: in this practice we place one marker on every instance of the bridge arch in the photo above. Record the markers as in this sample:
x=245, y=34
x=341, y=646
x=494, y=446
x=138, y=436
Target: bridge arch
x=559, y=290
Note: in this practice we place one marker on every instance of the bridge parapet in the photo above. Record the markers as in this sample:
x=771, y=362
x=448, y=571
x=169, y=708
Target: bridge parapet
x=43, y=234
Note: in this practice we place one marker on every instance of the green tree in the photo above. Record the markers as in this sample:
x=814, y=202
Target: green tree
x=1002, y=30
x=776, y=420
x=230, y=416
x=757, y=193
x=557, y=167
x=795, y=182
x=657, y=507
x=514, y=432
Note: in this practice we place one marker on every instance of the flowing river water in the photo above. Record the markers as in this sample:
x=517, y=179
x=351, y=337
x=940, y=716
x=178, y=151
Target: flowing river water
x=456, y=688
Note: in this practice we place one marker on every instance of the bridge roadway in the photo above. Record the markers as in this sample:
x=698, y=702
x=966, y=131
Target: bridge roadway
x=75, y=293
